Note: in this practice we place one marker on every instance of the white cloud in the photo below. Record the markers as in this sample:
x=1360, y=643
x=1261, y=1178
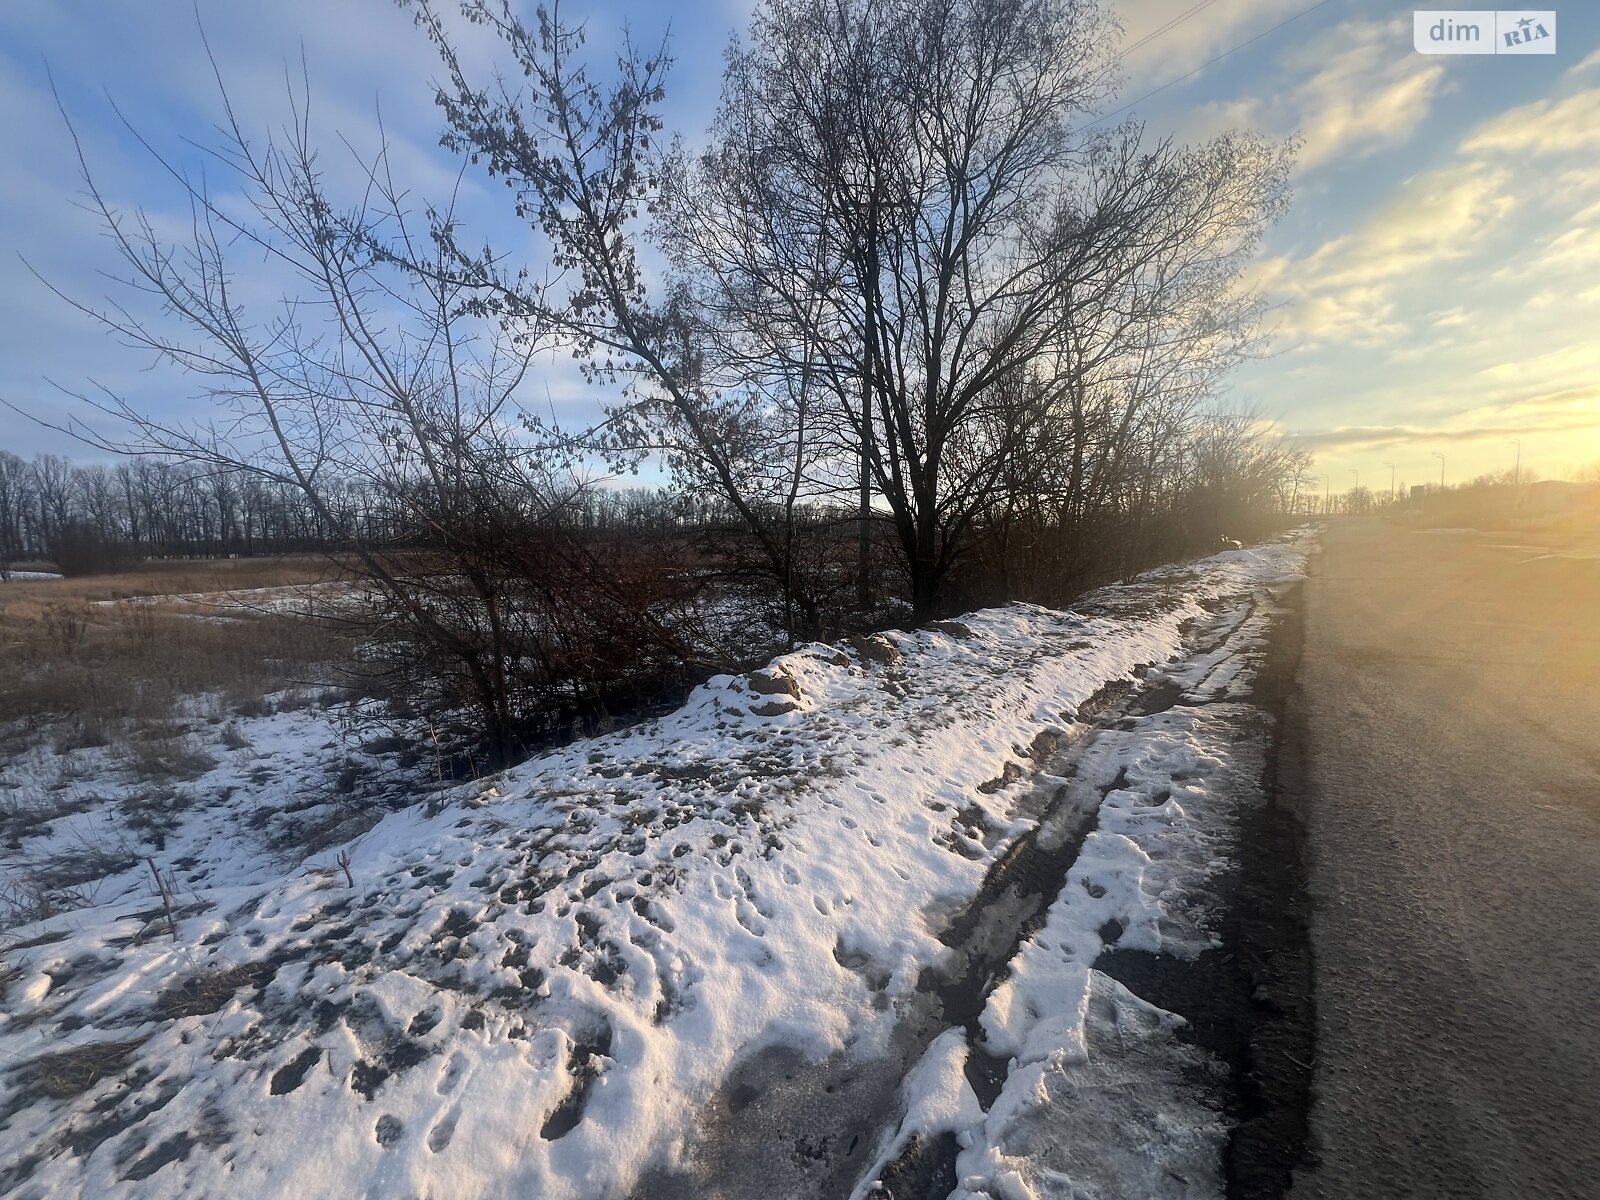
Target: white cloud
x=1360, y=95
x=1569, y=125
x=1345, y=92
x=1592, y=62
x=1349, y=288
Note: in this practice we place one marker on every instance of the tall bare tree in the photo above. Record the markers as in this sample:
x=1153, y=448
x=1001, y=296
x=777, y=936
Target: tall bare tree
x=896, y=220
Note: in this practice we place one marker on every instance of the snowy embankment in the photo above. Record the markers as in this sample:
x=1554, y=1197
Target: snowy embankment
x=533, y=989
x=1102, y=1094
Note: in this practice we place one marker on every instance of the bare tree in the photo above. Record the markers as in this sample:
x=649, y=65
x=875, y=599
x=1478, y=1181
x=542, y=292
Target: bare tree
x=375, y=393
x=895, y=225
x=14, y=500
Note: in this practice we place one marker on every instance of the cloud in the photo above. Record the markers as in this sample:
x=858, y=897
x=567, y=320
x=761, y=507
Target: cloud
x=1592, y=62
x=150, y=60
x=1438, y=306
x=1196, y=38
x=1350, y=287
x=1378, y=437
x=1345, y=92
x=1434, y=217
x=1357, y=95
x=1570, y=125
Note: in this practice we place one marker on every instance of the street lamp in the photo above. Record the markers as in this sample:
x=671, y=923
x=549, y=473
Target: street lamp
x=1516, y=475
x=1355, y=499
x=1440, y=457
x=1391, y=479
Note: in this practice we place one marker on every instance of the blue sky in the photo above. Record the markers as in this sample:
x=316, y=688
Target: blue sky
x=1434, y=288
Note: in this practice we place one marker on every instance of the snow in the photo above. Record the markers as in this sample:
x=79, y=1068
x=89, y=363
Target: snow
x=937, y=1099
x=304, y=599
x=1142, y=873
x=27, y=576
x=533, y=988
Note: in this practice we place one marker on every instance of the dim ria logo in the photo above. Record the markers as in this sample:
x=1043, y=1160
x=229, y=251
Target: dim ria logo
x=1484, y=31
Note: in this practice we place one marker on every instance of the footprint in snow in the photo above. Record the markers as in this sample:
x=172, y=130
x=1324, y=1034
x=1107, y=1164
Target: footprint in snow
x=388, y=1130
x=451, y=1076
x=747, y=916
x=439, y=1136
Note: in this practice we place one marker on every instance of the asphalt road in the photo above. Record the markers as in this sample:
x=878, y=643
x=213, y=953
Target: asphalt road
x=1451, y=692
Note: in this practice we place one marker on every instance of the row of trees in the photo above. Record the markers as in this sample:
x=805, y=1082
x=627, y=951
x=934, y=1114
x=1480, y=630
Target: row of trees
x=909, y=324
x=152, y=508
x=163, y=508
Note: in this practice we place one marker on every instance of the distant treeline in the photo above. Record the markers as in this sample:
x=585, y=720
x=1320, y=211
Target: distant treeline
x=147, y=508
x=91, y=517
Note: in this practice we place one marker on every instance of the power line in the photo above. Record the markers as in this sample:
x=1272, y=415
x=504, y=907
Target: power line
x=1170, y=25
x=1209, y=62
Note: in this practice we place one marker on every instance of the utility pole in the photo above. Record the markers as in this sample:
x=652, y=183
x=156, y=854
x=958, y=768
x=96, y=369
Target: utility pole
x=1440, y=457
x=1327, y=495
x=1354, y=498
x=1516, y=474
x=1391, y=480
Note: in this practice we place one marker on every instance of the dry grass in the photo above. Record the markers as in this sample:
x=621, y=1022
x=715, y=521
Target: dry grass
x=89, y=669
x=154, y=683
x=29, y=894
x=234, y=738
x=69, y=1073
x=179, y=577
x=160, y=757
x=205, y=992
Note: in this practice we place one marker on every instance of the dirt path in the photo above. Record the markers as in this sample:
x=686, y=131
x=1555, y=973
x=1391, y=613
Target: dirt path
x=1453, y=753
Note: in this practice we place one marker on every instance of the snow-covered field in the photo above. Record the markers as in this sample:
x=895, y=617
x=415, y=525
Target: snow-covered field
x=542, y=984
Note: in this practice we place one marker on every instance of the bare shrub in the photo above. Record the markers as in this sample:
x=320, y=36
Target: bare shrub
x=82, y=548
x=234, y=738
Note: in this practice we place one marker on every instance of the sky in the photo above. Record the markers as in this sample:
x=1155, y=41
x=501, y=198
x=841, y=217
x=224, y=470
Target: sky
x=1433, y=290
